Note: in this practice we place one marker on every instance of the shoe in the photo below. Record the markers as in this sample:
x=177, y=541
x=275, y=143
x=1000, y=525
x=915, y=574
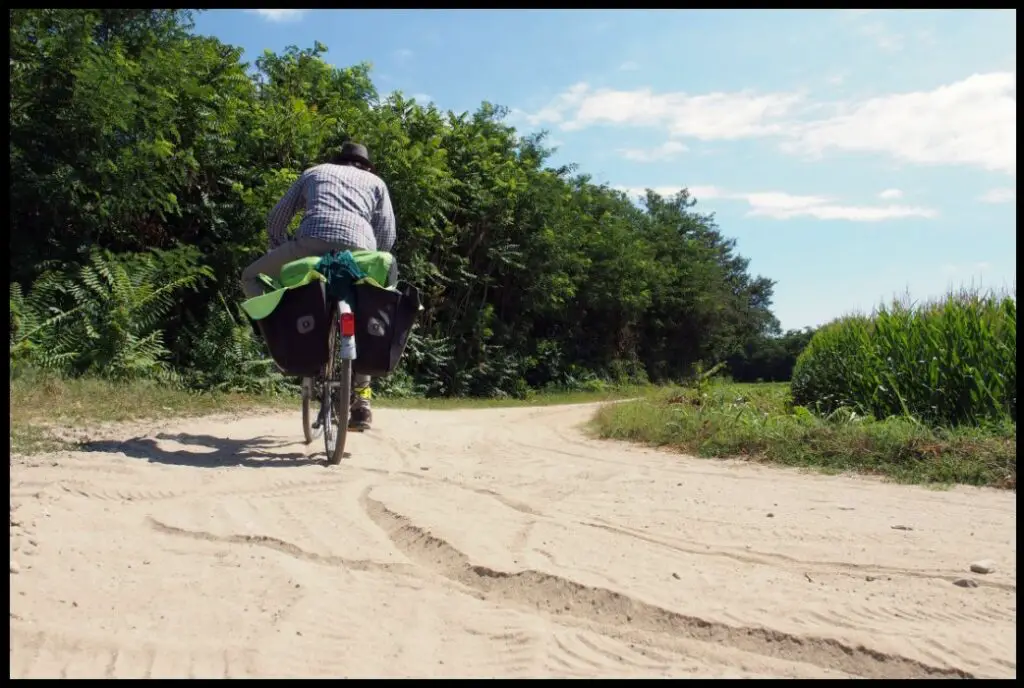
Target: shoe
x=360, y=415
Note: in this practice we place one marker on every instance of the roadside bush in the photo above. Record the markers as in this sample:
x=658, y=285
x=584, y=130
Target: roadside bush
x=945, y=363
x=220, y=353
x=102, y=318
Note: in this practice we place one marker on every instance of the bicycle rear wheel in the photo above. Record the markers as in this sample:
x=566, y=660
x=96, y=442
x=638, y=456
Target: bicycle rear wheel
x=336, y=398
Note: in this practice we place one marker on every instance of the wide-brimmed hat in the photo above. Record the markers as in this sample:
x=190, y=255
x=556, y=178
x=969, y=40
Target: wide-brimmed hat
x=355, y=152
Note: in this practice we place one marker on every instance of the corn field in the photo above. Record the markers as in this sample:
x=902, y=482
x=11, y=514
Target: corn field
x=944, y=363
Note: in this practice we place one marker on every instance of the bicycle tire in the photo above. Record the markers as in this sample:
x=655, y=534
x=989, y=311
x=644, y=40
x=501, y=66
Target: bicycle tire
x=336, y=397
x=342, y=407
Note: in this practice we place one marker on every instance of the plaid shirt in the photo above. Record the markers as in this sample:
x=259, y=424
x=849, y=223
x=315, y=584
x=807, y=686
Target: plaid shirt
x=344, y=205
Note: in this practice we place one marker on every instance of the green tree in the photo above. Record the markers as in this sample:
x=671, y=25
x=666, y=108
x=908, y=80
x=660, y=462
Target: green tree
x=131, y=133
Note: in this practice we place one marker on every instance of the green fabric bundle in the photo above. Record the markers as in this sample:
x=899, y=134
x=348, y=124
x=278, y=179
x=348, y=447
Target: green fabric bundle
x=339, y=271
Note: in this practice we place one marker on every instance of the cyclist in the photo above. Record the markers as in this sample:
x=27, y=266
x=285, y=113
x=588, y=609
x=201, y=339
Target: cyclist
x=347, y=208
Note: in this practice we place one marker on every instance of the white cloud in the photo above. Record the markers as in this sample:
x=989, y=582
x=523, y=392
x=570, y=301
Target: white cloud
x=972, y=122
x=422, y=98
x=710, y=116
x=890, y=194
x=1000, y=195
x=666, y=151
x=779, y=205
x=629, y=66
x=554, y=112
x=708, y=192
x=280, y=15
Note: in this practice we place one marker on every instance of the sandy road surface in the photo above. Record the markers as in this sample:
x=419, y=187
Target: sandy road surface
x=490, y=543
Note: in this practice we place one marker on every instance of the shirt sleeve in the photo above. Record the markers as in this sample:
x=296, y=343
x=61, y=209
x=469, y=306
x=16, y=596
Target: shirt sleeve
x=384, y=227
x=282, y=214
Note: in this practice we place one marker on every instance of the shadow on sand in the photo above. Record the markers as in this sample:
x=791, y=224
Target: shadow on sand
x=212, y=452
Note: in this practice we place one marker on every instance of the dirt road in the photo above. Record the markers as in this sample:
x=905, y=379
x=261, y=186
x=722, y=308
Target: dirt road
x=490, y=543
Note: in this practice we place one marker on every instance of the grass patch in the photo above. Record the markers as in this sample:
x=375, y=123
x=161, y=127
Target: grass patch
x=552, y=398
x=27, y=438
x=43, y=402
x=40, y=402
x=758, y=422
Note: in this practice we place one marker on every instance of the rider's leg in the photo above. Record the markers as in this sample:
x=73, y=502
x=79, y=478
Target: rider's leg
x=361, y=415
x=271, y=263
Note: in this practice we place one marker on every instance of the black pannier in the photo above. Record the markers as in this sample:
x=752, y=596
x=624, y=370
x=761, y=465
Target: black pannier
x=297, y=331
x=384, y=319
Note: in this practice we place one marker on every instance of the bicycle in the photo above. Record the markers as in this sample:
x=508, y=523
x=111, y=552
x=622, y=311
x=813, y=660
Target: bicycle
x=291, y=322
x=332, y=387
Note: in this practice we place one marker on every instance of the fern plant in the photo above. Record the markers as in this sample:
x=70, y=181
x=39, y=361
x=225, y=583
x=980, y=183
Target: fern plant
x=222, y=354
x=36, y=324
x=103, y=320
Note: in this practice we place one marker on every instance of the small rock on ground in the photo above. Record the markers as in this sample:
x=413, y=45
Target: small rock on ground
x=14, y=567
x=966, y=583
x=983, y=566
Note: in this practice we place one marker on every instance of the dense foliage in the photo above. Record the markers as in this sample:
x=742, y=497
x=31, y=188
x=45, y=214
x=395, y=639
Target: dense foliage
x=948, y=363
x=769, y=357
x=130, y=133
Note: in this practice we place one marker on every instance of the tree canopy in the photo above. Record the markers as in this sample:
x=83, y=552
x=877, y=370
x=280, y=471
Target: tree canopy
x=130, y=132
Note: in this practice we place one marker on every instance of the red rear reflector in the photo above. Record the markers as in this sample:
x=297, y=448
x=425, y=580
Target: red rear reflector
x=348, y=325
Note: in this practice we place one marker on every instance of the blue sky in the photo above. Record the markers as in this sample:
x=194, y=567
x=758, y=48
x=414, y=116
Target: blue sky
x=854, y=155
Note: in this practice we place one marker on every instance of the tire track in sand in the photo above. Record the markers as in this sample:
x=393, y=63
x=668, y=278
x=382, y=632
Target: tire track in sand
x=284, y=547
x=785, y=561
x=50, y=654
x=553, y=596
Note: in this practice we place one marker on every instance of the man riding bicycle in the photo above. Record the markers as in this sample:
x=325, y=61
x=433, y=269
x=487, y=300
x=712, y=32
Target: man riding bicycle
x=347, y=208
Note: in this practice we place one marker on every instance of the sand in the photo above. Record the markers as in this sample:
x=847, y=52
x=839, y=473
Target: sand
x=490, y=543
